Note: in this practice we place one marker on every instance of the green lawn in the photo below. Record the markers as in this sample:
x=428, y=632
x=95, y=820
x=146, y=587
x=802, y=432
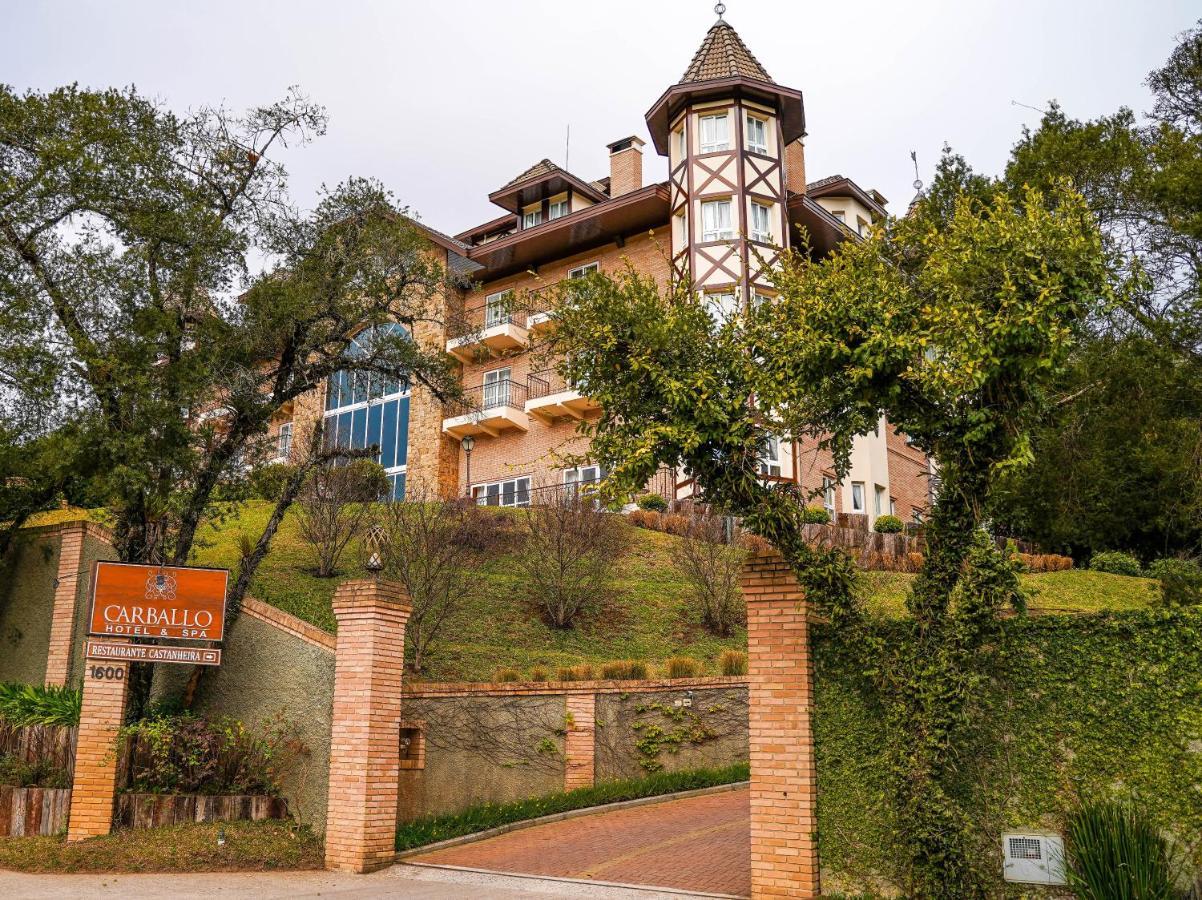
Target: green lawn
x=646, y=616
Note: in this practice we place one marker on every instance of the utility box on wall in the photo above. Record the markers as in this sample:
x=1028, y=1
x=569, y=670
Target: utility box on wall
x=1033, y=858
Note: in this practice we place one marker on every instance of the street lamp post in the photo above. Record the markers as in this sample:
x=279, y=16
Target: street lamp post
x=468, y=444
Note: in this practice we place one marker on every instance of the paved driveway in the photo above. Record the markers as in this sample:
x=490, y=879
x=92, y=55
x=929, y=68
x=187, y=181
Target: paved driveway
x=697, y=844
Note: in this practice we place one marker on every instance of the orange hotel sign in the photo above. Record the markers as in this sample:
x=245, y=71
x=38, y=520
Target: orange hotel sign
x=139, y=601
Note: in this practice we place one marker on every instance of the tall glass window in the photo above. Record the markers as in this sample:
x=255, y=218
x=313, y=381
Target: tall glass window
x=365, y=409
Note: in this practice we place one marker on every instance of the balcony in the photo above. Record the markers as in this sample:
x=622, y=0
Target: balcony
x=550, y=397
x=486, y=329
x=489, y=409
x=539, y=309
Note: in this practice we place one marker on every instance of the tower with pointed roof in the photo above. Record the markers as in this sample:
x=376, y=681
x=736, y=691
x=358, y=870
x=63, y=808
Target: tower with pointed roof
x=725, y=127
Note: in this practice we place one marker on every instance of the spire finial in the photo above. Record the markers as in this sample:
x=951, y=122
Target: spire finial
x=917, y=179
x=720, y=8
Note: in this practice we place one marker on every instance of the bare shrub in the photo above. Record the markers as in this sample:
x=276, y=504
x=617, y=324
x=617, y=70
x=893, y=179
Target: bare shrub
x=433, y=547
x=568, y=553
x=336, y=507
x=711, y=569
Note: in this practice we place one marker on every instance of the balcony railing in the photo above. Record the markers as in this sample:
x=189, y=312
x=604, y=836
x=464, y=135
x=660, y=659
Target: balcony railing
x=495, y=326
x=487, y=397
x=552, y=396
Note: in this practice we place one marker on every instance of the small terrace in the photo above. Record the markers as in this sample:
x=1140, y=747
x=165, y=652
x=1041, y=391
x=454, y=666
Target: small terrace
x=550, y=397
x=494, y=326
x=489, y=409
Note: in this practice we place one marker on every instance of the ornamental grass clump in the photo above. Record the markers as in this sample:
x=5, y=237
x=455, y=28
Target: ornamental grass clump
x=624, y=670
x=539, y=673
x=1116, y=853
x=507, y=674
x=682, y=667
x=733, y=662
x=24, y=705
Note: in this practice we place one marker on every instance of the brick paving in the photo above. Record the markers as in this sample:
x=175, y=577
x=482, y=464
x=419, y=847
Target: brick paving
x=696, y=844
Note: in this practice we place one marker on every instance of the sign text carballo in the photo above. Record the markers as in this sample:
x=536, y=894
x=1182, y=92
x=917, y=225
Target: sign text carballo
x=130, y=600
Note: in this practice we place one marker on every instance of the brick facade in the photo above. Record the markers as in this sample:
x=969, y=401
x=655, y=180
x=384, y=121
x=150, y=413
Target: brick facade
x=66, y=586
x=909, y=478
x=579, y=746
x=100, y=718
x=784, y=838
x=365, y=733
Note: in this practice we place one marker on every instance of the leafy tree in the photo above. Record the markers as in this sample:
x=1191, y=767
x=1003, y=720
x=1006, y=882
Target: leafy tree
x=1119, y=462
x=128, y=243
x=953, y=323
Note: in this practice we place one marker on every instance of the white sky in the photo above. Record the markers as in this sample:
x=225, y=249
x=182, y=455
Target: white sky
x=446, y=101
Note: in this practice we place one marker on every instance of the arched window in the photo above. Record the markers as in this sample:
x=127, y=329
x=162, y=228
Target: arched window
x=365, y=409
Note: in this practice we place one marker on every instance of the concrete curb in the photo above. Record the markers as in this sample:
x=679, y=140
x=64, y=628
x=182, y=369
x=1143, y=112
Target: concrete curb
x=560, y=817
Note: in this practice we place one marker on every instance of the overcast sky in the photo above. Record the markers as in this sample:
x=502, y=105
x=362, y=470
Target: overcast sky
x=446, y=101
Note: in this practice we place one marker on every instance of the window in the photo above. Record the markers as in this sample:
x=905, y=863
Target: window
x=283, y=442
x=857, y=497
x=761, y=222
x=715, y=133
x=861, y=226
x=366, y=409
x=839, y=214
x=581, y=271
x=757, y=135
x=496, y=388
x=759, y=298
x=715, y=221
x=892, y=507
x=497, y=309
x=828, y=497
x=770, y=456
x=558, y=209
x=514, y=492
x=582, y=475
x=722, y=307
x=916, y=515
x=532, y=218
x=878, y=500
x=680, y=224
x=682, y=147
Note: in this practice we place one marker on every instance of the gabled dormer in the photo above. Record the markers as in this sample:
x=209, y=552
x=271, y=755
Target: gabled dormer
x=543, y=193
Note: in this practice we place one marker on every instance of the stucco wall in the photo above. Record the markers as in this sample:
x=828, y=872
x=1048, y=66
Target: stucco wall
x=711, y=732
x=483, y=749
x=26, y=601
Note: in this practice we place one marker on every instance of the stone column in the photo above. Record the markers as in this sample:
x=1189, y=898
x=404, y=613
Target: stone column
x=580, y=745
x=62, y=617
x=102, y=713
x=365, y=731
x=784, y=825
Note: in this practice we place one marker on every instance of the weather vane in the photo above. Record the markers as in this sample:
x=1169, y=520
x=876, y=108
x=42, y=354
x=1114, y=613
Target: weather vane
x=917, y=180
x=720, y=8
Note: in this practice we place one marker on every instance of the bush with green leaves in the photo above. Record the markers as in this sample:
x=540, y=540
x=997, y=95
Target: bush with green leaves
x=1116, y=852
x=815, y=515
x=190, y=754
x=1116, y=562
x=888, y=525
x=653, y=502
x=1180, y=581
x=16, y=772
x=267, y=481
x=36, y=704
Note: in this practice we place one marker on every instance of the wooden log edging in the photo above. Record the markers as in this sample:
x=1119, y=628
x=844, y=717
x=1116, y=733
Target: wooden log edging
x=136, y=811
x=33, y=744
x=26, y=812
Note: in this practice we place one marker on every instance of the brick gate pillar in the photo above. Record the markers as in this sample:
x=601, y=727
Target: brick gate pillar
x=62, y=618
x=784, y=825
x=101, y=715
x=366, y=722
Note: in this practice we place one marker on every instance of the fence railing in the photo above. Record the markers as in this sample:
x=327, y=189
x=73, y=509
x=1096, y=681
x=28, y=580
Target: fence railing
x=499, y=394
x=547, y=382
x=475, y=319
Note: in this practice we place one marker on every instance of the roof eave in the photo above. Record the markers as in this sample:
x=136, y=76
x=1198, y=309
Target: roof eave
x=789, y=103
x=509, y=197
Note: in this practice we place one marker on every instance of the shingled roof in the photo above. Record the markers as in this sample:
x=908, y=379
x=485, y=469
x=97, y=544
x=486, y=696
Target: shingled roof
x=542, y=167
x=723, y=55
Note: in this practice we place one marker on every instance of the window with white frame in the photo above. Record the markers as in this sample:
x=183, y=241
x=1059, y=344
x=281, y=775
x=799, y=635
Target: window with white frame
x=857, y=497
x=839, y=214
x=557, y=209
x=757, y=134
x=283, y=441
x=498, y=308
x=496, y=388
x=862, y=226
x=770, y=456
x=513, y=492
x=722, y=306
x=759, y=298
x=715, y=133
x=878, y=500
x=716, y=221
x=682, y=147
x=583, y=475
x=892, y=506
x=680, y=225
x=916, y=515
x=761, y=222
x=532, y=218
x=366, y=409
x=828, y=496
x=581, y=271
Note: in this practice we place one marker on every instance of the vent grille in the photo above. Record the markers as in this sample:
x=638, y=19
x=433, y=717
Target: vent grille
x=1026, y=848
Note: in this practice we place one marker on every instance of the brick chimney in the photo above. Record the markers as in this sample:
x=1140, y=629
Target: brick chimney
x=625, y=166
x=795, y=166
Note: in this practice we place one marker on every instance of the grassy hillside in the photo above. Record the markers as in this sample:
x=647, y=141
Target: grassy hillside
x=646, y=616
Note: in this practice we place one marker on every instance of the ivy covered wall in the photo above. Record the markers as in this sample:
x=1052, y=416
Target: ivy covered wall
x=1105, y=705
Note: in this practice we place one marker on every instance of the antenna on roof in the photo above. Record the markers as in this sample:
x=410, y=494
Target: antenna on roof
x=720, y=8
x=567, y=147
